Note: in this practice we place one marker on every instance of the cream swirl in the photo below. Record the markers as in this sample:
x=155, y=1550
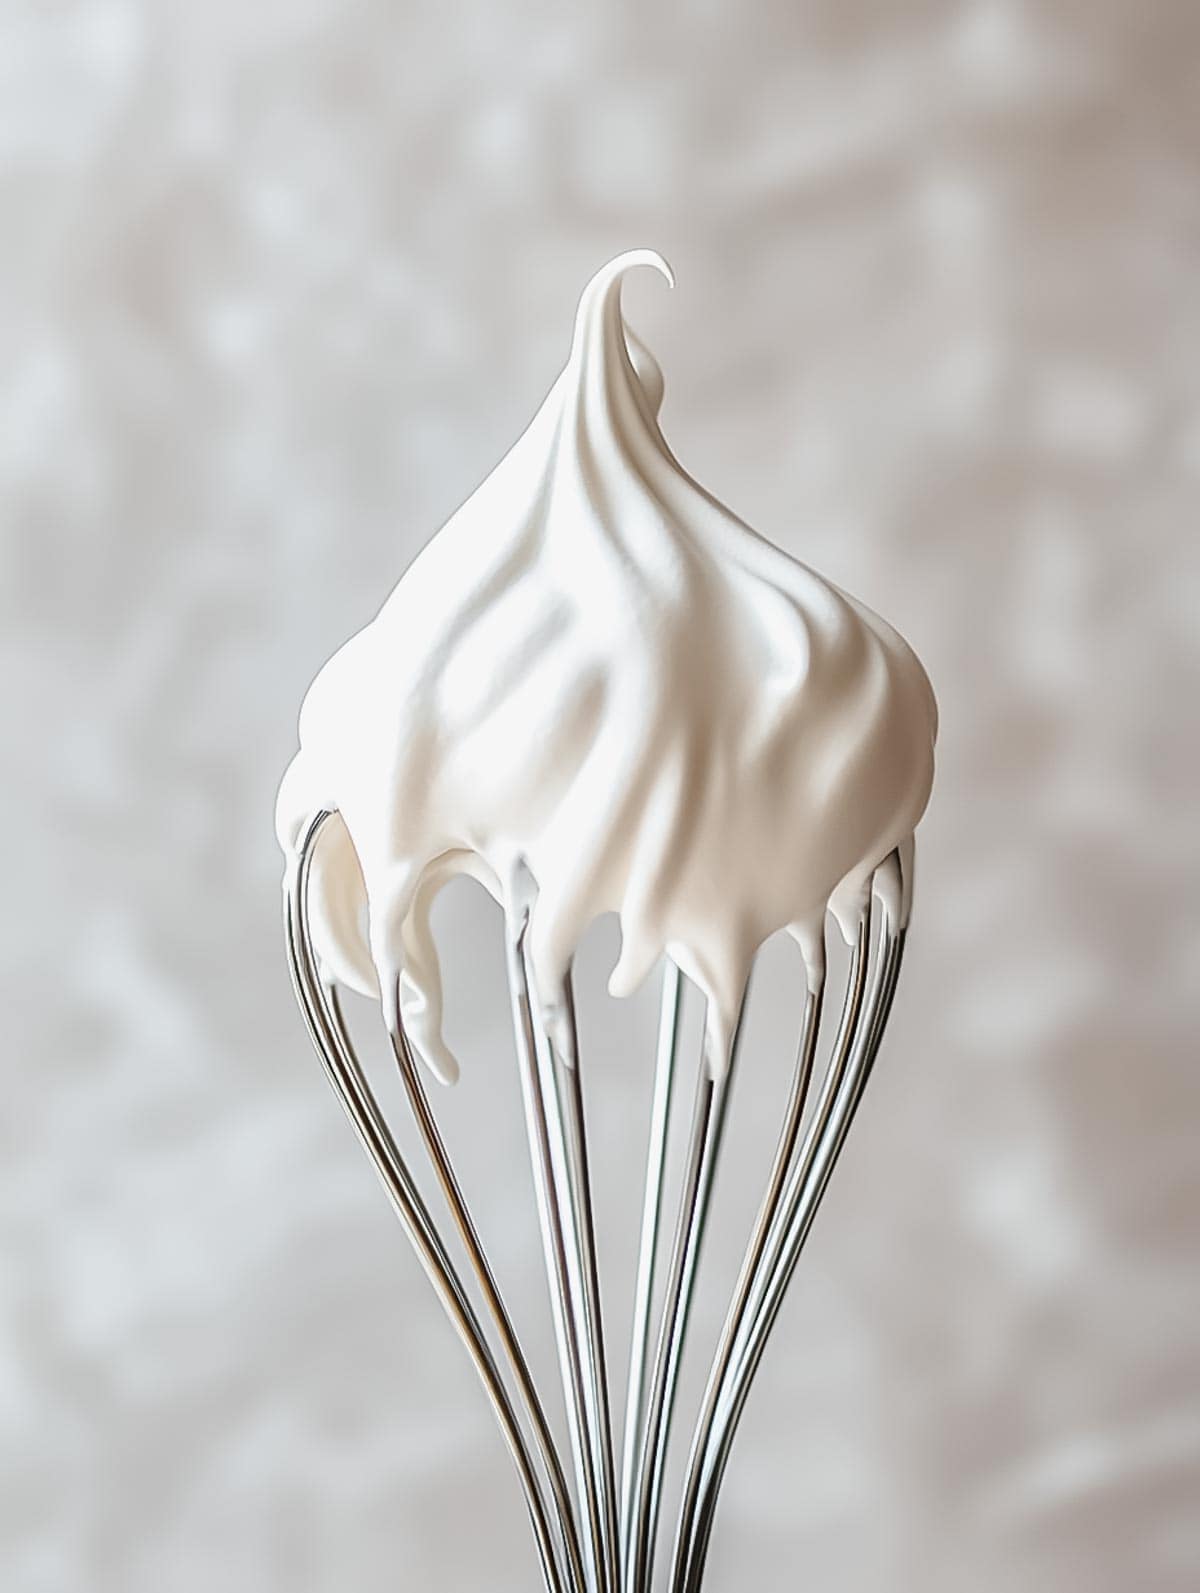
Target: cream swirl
x=596, y=688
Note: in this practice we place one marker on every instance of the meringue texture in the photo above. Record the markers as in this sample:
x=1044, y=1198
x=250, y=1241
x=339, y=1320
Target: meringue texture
x=597, y=690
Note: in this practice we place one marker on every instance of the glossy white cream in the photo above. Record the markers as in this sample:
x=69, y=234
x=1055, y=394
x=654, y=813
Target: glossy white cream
x=598, y=690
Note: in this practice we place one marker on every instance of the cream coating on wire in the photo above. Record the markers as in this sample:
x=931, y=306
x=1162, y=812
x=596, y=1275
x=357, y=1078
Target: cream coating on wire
x=597, y=686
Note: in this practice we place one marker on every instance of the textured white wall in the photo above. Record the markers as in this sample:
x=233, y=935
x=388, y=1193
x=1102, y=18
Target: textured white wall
x=278, y=284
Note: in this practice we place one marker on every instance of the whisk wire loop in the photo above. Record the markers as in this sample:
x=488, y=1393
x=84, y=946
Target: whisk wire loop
x=598, y=1538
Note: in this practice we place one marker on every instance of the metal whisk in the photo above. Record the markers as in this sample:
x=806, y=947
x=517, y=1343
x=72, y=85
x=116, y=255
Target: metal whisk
x=599, y=1536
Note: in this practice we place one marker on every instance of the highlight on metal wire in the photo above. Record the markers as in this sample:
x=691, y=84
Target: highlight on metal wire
x=600, y=1532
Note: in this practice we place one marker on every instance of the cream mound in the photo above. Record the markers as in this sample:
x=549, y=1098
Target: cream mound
x=597, y=690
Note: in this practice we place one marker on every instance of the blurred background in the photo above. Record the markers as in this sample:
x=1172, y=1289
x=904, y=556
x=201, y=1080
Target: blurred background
x=279, y=283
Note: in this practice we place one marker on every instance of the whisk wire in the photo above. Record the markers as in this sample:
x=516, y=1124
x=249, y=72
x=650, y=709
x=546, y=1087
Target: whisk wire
x=864, y=1016
x=764, y=1223
x=666, y=1055
x=568, y=1076
x=708, y=1124
x=544, y=1127
x=464, y=1222
x=353, y=1090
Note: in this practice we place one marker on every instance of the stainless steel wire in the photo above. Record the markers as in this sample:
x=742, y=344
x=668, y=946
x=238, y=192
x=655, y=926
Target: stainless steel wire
x=716, y=1389
x=552, y=1192
x=863, y=1017
x=592, y=1537
x=354, y=1092
x=648, y=1247
x=708, y=1125
x=567, y=1076
x=468, y=1233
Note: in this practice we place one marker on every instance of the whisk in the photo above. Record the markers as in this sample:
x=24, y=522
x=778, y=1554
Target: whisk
x=600, y=1532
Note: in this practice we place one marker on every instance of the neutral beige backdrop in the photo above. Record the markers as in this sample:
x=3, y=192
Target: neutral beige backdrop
x=279, y=282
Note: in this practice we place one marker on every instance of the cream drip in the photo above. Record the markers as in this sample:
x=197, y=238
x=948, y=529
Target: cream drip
x=598, y=688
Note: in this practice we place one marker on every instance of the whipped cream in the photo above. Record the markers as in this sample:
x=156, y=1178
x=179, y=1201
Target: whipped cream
x=598, y=690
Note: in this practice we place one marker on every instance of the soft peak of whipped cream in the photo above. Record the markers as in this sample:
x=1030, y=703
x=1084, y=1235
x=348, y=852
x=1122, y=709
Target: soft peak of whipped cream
x=597, y=690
